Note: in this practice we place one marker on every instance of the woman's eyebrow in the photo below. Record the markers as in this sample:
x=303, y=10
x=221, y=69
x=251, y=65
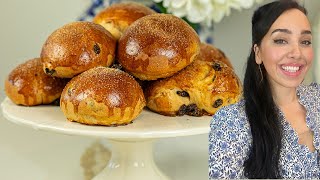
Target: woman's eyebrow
x=282, y=30
x=306, y=32
x=290, y=32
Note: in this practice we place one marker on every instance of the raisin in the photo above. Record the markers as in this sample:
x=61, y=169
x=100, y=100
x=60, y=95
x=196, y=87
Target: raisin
x=182, y=110
x=191, y=107
x=183, y=93
x=50, y=72
x=193, y=110
x=214, y=78
x=218, y=103
x=116, y=66
x=96, y=48
x=56, y=102
x=217, y=67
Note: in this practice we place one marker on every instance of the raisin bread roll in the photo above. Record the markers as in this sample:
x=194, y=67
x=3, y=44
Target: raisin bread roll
x=117, y=17
x=200, y=89
x=77, y=47
x=210, y=53
x=157, y=46
x=102, y=96
x=28, y=85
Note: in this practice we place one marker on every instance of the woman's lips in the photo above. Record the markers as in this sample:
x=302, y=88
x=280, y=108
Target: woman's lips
x=292, y=70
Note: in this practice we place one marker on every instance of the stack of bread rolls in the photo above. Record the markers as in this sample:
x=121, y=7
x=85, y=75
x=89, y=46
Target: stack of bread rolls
x=161, y=51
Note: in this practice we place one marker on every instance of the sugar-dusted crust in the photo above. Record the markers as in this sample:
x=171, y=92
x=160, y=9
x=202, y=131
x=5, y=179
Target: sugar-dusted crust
x=77, y=47
x=211, y=53
x=157, y=46
x=102, y=96
x=117, y=17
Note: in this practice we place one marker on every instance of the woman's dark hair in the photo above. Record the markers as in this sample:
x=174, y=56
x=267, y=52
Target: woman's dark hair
x=262, y=113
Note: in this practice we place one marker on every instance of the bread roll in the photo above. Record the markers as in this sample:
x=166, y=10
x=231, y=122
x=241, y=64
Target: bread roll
x=117, y=17
x=200, y=89
x=210, y=53
x=77, y=47
x=28, y=85
x=157, y=46
x=102, y=96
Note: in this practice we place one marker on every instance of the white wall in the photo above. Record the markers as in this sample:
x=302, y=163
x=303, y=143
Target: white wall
x=29, y=154
x=316, y=29
x=233, y=34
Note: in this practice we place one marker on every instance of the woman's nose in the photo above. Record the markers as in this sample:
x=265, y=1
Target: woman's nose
x=295, y=51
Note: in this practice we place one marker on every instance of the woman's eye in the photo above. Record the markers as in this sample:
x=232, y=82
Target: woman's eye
x=306, y=43
x=280, y=41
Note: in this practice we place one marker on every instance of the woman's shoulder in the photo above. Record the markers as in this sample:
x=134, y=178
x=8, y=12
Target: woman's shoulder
x=232, y=116
x=309, y=89
x=233, y=110
x=309, y=92
x=229, y=142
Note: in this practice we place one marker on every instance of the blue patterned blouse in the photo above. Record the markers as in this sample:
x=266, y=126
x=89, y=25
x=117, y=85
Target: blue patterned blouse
x=230, y=140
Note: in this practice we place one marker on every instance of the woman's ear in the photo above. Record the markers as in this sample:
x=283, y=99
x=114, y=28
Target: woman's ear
x=256, y=50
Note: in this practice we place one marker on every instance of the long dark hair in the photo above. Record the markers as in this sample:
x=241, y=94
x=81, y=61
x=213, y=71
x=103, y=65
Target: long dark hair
x=262, y=113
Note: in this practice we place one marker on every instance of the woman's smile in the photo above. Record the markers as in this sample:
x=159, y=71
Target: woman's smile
x=291, y=70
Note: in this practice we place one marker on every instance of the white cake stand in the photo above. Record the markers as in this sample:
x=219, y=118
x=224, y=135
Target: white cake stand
x=132, y=154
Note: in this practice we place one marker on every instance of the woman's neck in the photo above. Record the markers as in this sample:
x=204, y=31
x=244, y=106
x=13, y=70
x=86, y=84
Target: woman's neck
x=284, y=96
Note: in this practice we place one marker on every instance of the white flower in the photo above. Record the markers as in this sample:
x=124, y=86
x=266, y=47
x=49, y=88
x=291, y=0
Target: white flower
x=207, y=11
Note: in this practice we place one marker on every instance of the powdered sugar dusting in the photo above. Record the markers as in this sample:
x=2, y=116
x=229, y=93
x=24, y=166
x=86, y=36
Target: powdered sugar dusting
x=132, y=47
x=114, y=99
x=163, y=38
x=80, y=46
x=168, y=53
x=110, y=86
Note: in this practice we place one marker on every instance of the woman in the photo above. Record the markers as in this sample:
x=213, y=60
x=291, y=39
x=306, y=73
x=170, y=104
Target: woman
x=273, y=132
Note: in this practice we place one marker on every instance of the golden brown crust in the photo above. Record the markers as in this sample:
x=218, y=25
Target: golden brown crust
x=210, y=53
x=157, y=46
x=77, y=47
x=102, y=96
x=28, y=85
x=200, y=89
x=117, y=17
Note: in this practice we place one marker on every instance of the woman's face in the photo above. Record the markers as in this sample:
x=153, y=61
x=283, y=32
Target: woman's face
x=286, y=50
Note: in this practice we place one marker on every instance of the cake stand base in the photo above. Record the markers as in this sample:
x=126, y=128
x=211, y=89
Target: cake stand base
x=131, y=159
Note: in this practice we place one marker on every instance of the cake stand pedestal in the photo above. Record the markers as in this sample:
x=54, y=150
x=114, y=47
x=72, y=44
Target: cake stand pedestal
x=132, y=153
x=131, y=160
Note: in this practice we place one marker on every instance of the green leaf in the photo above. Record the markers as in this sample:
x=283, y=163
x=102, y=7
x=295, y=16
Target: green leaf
x=195, y=26
x=161, y=8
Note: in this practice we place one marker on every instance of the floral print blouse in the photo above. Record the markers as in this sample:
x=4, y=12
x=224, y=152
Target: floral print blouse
x=230, y=140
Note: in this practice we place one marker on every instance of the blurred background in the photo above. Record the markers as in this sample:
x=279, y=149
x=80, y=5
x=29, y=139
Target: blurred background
x=29, y=154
